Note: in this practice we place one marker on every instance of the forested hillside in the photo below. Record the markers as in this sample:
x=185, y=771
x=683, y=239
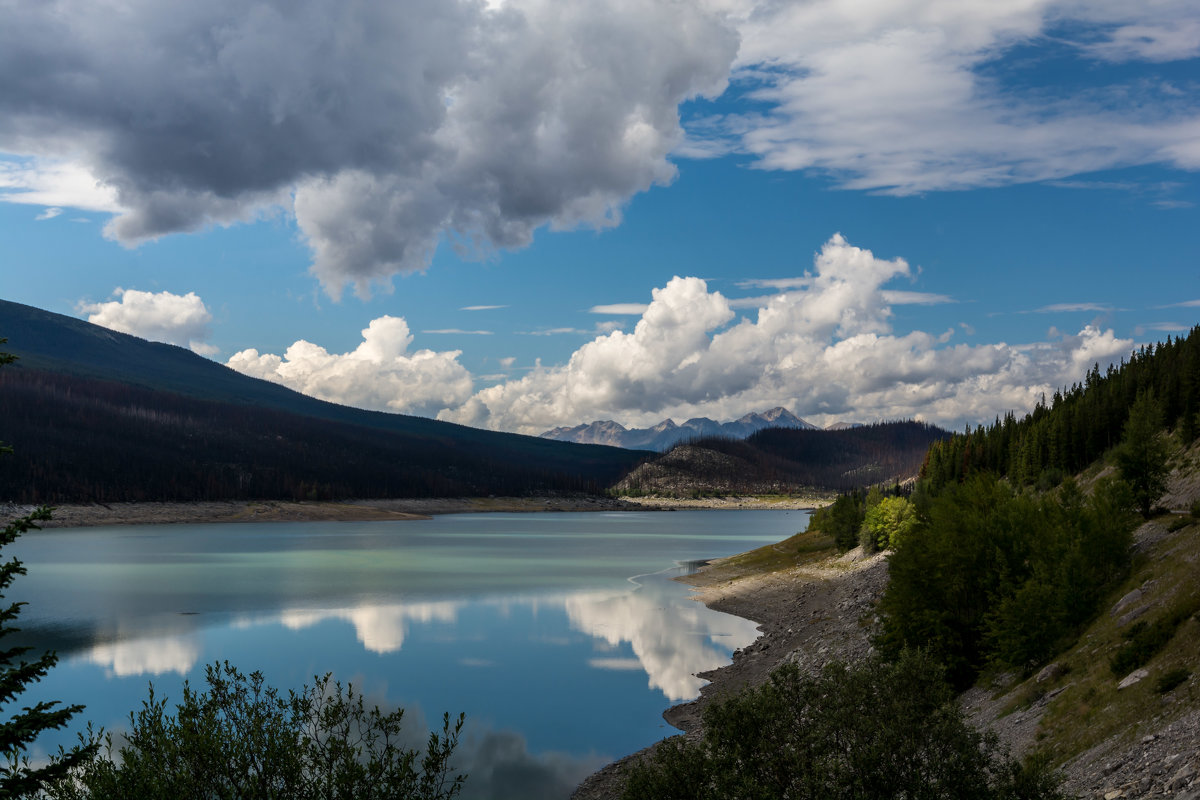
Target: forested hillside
x=787, y=460
x=100, y=416
x=1001, y=555
x=1079, y=423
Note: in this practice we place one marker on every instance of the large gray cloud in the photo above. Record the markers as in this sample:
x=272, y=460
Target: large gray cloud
x=385, y=126
x=389, y=128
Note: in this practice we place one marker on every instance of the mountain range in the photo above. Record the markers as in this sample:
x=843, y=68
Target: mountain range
x=667, y=434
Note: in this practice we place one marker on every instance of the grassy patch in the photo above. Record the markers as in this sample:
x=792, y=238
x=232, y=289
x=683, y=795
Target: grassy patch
x=1144, y=641
x=802, y=548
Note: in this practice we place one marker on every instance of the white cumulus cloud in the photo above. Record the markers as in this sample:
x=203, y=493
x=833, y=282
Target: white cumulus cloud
x=381, y=373
x=158, y=316
x=827, y=351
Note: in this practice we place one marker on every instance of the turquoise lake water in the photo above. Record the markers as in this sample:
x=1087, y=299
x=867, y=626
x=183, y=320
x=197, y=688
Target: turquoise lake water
x=561, y=636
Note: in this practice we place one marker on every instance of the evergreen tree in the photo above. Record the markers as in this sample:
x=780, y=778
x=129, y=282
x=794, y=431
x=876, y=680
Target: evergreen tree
x=1142, y=455
x=19, y=728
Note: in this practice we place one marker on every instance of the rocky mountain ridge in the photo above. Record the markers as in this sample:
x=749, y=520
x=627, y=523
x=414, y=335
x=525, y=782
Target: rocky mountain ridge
x=668, y=433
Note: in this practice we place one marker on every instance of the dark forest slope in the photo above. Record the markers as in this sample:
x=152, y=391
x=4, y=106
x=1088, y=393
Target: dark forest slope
x=784, y=461
x=96, y=415
x=1081, y=422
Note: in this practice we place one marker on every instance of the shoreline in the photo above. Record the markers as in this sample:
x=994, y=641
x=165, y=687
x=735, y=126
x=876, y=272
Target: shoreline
x=83, y=515
x=809, y=615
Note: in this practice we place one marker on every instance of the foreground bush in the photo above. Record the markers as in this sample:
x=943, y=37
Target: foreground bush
x=877, y=731
x=241, y=739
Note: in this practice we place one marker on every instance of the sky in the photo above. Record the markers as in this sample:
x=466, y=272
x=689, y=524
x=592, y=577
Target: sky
x=523, y=214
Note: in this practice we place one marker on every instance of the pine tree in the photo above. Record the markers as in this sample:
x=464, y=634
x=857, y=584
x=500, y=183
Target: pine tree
x=1142, y=455
x=19, y=728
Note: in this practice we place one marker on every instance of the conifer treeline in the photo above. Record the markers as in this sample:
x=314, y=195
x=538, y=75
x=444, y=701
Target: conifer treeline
x=84, y=440
x=1080, y=423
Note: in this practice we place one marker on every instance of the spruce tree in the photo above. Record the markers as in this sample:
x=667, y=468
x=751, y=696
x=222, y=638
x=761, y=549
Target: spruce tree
x=19, y=727
x=1142, y=454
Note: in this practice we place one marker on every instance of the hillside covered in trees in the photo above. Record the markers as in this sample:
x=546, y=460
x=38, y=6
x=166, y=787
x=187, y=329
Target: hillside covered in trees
x=1002, y=553
x=1002, y=561
x=787, y=461
x=100, y=416
x=1080, y=423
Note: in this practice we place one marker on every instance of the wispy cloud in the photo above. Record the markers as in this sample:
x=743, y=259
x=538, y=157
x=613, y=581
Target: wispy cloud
x=557, y=332
x=620, y=308
x=1061, y=308
x=459, y=331
x=781, y=284
x=1162, y=327
x=902, y=298
x=49, y=213
x=1184, y=304
x=480, y=308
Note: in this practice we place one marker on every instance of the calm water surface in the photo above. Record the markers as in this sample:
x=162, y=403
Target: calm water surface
x=561, y=636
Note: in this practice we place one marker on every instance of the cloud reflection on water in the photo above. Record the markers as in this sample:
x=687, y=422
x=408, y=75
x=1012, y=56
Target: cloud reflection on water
x=380, y=628
x=156, y=656
x=671, y=641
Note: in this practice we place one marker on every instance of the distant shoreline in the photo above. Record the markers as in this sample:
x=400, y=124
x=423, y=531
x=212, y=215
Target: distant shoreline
x=82, y=515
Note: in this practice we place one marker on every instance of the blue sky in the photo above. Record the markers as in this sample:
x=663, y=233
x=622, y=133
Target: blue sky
x=985, y=200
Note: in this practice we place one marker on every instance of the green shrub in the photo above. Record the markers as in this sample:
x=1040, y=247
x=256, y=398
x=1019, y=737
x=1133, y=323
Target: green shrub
x=241, y=739
x=874, y=731
x=1179, y=523
x=887, y=524
x=1170, y=679
x=1143, y=641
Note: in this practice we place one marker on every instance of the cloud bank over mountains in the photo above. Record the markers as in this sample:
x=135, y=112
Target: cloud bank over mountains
x=387, y=129
x=827, y=350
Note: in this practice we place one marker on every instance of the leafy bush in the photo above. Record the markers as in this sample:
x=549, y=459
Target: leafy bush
x=1170, y=679
x=879, y=730
x=888, y=523
x=241, y=739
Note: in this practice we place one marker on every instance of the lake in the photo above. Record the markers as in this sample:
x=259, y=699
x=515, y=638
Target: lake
x=561, y=636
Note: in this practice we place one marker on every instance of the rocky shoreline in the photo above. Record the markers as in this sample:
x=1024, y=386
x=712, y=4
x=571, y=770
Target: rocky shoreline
x=79, y=515
x=809, y=615
x=817, y=613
